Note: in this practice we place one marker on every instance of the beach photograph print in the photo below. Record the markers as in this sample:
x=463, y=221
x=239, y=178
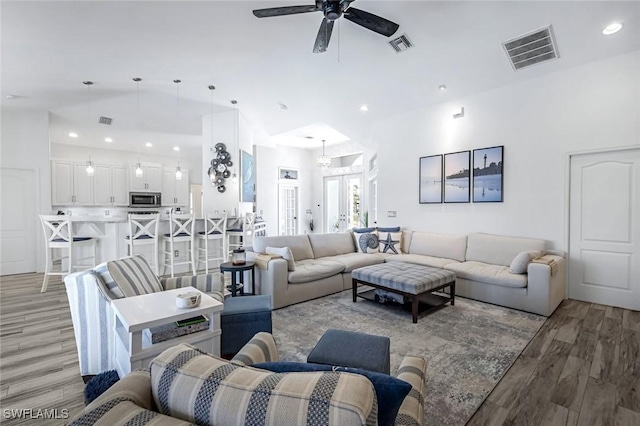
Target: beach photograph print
x=487, y=175
x=431, y=179
x=457, y=178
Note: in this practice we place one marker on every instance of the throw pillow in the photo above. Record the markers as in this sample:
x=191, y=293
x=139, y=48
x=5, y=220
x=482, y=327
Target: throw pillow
x=132, y=276
x=390, y=242
x=286, y=254
x=391, y=229
x=390, y=391
x=366, y=242
x=521, y=261
x=364, y=230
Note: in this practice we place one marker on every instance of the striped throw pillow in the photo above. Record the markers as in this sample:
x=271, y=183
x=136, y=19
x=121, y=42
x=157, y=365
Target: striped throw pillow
x=192, y=385
x=130, y=276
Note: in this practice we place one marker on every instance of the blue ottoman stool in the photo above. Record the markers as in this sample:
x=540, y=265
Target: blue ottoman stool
x=241, y=319
x=350, y=349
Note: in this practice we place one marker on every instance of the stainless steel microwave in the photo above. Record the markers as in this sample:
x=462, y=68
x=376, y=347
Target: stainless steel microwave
x=145, y=199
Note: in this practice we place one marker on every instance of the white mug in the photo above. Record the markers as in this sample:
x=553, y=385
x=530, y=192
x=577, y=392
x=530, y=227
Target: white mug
x=188, y=300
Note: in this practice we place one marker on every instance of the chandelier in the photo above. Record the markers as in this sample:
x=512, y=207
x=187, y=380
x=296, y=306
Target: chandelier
x=323, y=161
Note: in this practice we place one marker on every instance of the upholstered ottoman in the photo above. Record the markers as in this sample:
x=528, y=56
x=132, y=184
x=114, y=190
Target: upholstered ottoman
x=241, y=319
x=350, y=349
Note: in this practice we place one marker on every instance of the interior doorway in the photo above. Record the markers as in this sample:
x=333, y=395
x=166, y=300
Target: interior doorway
x=288, y=210
x=19, y=219
x=604, y=228
x=342, y=200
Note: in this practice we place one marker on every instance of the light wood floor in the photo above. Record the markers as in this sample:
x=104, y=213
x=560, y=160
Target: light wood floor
x=582, y=368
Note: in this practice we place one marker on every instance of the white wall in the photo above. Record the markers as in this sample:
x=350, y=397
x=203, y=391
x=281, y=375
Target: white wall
x=112, y=156
x=268, y=161
x=25, y=145
x=538, y=121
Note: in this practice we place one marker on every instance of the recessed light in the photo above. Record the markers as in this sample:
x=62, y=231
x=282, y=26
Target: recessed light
x=612, y=28
x=12, y=96
x=442, y=87
x=73, y=135
x=364, y=108
x=108, y=140
x=148, y=144
x=176, y=148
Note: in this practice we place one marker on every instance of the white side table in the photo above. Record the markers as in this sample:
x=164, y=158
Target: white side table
x=134, y=314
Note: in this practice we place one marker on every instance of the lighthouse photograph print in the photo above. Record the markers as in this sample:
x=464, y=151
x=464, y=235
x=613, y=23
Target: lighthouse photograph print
x=457, y=178
x=487, y=175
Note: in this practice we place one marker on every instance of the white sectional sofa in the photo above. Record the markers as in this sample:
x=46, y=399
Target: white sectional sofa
x=323, y=265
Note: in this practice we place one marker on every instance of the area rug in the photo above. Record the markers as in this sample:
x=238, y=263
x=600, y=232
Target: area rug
x=469, y=346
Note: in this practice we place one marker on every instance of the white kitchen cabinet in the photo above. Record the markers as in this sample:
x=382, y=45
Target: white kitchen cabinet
x=110, y=185
x=150, y=181
x=175, y=192
x=70, y=184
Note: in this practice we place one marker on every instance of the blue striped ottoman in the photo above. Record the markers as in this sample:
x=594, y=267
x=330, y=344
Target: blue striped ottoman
x=415, y=282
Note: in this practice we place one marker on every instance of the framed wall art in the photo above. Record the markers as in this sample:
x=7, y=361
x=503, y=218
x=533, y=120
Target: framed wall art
x=287, y=174
x=488, y=180
x=430, y=179
x=457, y=177
x=248, y=181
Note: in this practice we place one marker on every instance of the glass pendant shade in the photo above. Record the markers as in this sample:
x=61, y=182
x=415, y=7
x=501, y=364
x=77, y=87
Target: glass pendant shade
x=138, y=170
x=323, y=161
x=90, y=169
x=178, y=173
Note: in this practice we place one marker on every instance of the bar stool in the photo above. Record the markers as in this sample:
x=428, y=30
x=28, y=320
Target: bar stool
x=215, y=229
x=242, y=235
x=58, y=234
x=143, y=231
x=181, y=228
x=260, y=229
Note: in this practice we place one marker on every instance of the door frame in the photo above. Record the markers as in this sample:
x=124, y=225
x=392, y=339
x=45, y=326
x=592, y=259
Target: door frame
x=567, y=198
x=342, y=187
x=296, y=187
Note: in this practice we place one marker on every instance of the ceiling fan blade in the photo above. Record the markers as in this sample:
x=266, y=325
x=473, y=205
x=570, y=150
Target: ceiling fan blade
x=371, y=22
x=280, y=11
x=324, y=35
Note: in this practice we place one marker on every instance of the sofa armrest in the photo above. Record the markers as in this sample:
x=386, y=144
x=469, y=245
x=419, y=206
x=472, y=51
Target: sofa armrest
x=261, y=348
x=93, y=322
x=413, y=370
x=546, y=284
x=274, y=281
x=210, y=284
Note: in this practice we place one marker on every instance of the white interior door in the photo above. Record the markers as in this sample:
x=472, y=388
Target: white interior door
x=288, y=210
x=604, y=231
x=18, y=221
x=342, y=200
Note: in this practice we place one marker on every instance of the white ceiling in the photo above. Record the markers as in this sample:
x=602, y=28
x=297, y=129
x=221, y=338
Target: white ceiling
x=50, y=47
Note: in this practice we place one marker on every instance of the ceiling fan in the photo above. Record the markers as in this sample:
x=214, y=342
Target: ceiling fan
x=332, y=10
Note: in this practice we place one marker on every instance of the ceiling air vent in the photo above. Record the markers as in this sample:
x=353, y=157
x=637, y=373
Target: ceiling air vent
x=401, y=43
x=532, y=48
x=105, y=120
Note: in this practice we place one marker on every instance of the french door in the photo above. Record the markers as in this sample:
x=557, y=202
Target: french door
x=342, y=200
x=288, y=210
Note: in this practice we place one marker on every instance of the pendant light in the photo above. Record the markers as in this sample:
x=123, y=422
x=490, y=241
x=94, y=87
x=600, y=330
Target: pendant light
x=178, y=172
x=323, y=161
x=90, y=169
x=236, y=138
x=138, y=80
x=211, y=172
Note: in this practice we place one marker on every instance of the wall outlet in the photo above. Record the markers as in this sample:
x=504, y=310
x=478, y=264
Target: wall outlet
x=391, y=213
x=106, y=213
x=176, y=253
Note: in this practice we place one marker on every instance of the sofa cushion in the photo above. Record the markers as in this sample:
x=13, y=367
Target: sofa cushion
x=299, y=245
x=192, y=385
x=331, y=244
x=520, y=263
x=353, y=261
x=439, y=245
x=485, y=273
x=390, y=242
x=314, y=269
x=390, y=391
x=286, y=254
x=129, y=276
x=366, y=242
x=435, y=262
x=499, y=250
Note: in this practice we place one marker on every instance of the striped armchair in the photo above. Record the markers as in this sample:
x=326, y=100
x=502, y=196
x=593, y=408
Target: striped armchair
x=232, y=392
x=90, y=294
